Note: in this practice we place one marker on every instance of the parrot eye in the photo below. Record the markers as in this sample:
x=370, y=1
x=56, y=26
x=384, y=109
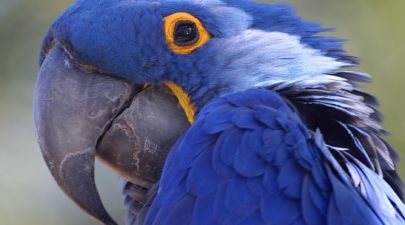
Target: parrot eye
x=184, y=33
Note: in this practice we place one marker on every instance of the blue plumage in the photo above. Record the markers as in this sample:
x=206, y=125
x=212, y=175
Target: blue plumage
x=270, y=52
x=283, y=134
x=285, y=174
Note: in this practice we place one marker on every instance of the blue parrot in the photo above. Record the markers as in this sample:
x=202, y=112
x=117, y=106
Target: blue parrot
x=213, y=112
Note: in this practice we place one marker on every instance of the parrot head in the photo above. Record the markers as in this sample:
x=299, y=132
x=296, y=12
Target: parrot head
x=206, y=48
x=121, y=80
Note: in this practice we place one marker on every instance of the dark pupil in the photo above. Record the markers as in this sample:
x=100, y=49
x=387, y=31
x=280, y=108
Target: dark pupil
x=185, y=33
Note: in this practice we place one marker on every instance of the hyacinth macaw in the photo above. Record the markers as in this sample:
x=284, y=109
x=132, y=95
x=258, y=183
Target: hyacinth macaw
x=213, y=112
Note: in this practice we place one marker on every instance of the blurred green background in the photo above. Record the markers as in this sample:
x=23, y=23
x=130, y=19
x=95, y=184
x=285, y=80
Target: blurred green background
x=28, y=194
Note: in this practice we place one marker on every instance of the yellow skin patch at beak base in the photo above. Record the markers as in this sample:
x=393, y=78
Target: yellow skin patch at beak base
x=184, y=100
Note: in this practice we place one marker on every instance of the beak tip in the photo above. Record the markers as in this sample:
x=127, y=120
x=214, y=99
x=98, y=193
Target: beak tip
x=77, y=113
x=66, y=133
x=77, y=175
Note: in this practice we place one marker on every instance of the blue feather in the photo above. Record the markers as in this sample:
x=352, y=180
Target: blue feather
x=279, y=210
x=244, y=119
x=202, y=179
x=290, y=179
x=232, y=181
x=313, y=203
x=246, y=162
x=248, y=155
x=204, y=207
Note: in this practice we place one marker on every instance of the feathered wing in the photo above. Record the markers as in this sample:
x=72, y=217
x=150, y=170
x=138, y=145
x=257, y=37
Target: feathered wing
x=248, y=159
x=347, y=116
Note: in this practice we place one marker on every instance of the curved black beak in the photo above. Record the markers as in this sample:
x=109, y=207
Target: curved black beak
x=79, y=115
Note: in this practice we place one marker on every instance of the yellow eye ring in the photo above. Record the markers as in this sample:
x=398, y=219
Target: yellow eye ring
x=184, y=33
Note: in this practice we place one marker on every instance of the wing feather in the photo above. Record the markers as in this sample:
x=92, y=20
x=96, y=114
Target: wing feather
x=258, y=164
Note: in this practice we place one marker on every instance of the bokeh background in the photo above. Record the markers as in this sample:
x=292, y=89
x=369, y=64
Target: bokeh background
x=28, y=194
